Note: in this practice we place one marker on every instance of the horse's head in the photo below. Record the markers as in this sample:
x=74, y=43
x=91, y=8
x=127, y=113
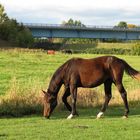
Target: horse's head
x=50, y=102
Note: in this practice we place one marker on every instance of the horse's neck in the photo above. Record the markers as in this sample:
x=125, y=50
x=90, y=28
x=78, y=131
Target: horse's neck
x=55, y=85
x=57, y=79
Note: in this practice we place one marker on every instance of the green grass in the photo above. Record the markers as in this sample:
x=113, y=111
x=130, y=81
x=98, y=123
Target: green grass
x=29, y=70
x=26, y=67
x=29, y=67
x=84, y=127
x=25, y=72
x=116, y=45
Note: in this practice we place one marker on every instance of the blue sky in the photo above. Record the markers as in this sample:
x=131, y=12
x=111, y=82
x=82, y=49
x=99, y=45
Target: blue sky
x=89, y=12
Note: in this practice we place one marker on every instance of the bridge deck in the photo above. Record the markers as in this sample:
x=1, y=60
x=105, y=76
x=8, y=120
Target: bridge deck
x=87, y=31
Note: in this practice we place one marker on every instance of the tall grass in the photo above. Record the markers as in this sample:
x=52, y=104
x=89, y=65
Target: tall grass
x=20, y=100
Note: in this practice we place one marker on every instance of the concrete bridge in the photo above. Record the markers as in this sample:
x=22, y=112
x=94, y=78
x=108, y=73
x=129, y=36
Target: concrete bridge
x=96, y=32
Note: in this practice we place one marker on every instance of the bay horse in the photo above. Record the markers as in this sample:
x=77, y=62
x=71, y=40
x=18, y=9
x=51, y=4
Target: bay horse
x=67, y=51
x=89, y=73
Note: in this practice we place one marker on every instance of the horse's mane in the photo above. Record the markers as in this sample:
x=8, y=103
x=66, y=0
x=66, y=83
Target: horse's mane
x=56, y=80
x=63, y=67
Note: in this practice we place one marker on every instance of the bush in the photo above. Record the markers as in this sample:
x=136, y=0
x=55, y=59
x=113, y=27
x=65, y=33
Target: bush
x=136, y=49
x=105, y=51
x=25, y=39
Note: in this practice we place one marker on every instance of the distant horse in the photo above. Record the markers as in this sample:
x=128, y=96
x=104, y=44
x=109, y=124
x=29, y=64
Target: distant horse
x=50, y=52
x=67, y=51
x=78, y=72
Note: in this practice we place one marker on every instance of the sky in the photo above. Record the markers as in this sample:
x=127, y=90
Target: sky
x=89, y=12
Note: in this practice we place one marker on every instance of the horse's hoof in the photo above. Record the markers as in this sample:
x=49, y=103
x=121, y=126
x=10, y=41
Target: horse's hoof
x=99, y=115
x=70, y=117
x=125, y=117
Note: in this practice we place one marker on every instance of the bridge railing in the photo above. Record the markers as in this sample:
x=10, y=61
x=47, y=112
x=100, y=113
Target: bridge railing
x=39, y=25
x=62, y=25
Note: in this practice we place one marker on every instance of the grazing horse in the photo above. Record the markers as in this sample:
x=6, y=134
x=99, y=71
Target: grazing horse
x=67, y=51
x=78, y=72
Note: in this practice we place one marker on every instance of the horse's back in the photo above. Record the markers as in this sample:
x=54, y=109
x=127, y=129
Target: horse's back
x=89, y=72
x=94, y=63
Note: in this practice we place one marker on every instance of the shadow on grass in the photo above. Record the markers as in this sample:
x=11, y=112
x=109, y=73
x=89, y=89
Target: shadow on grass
x=3, y=136
x=91, y=112
x=116, y=111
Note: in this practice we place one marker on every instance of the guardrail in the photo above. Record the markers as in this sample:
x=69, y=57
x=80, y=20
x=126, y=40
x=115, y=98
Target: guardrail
x=38, y=25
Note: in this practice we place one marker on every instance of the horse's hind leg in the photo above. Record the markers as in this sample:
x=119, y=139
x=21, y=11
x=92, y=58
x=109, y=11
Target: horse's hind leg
x=118, y=70
x=124, y=97
x=64, y=98
x=108, y=95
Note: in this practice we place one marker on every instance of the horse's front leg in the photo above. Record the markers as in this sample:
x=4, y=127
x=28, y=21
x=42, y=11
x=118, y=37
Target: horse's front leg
x=73, y=90
x=64, y=99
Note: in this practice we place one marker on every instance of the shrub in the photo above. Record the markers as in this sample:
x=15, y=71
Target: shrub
x=105, y=51
x=136, y=49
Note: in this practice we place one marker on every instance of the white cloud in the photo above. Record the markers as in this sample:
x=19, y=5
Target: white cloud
x=103, y=12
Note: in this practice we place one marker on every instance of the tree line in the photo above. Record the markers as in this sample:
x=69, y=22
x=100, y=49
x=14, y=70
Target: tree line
x=14, y=32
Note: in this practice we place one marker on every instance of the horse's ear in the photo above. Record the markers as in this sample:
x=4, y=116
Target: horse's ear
x=44, y=92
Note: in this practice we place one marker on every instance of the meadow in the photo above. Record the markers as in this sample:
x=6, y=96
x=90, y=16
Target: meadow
x=84, y=127
x=29, y=66
x=23, y=73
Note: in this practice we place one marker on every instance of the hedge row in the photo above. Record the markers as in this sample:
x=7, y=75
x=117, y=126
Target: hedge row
x=120, y=51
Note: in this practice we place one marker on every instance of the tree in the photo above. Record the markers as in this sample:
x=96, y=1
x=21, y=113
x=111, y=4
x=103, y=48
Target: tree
x=76, y=23
x=13, y=32
x=3, y=15
x=131, y=26
x=122, y=24
x=24, y=38
x=71, y=22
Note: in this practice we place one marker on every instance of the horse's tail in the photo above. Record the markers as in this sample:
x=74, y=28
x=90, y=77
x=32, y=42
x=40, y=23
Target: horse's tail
x=131, y=71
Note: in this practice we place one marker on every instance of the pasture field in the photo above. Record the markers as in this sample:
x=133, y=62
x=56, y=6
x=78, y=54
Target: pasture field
x=25, y=72
x=31, y=68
